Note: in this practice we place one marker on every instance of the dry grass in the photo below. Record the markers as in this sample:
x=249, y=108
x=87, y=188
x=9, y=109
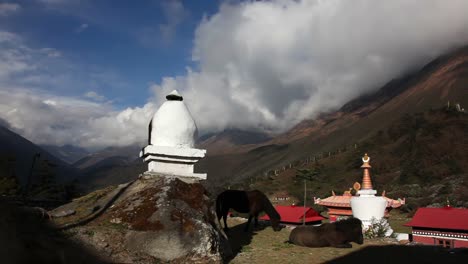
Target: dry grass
x=266, y=246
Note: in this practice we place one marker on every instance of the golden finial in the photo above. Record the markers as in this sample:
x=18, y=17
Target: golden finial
x=365, y=158
x=356, y=186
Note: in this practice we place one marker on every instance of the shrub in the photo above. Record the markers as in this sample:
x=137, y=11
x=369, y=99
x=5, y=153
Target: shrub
x=377, y=228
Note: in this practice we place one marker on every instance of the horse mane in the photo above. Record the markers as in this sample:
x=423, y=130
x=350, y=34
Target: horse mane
x=270, y=209
x=347, y=224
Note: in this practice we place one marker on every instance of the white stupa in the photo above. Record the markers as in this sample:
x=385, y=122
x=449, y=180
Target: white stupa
x=172, y=134
x=367, y=206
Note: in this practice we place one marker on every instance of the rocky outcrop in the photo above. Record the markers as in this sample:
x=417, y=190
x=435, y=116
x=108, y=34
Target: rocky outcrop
x=154, y=218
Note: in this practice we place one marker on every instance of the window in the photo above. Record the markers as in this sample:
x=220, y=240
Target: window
x=446, y=243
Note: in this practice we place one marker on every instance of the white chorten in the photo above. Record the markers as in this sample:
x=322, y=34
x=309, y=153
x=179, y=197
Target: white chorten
x=172, y=134
x=367, y=206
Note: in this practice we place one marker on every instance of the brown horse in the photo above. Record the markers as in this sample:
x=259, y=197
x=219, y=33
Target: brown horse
x=338, y=234
x=252, y=202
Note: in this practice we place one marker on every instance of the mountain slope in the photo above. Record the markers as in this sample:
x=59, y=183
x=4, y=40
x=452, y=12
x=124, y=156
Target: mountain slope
x=67, y=153
x=122, y=154
x=231, y=141
x=113, y=165
x=441, y=81
x=420, y=156
x=23, y=151
x=233, y=161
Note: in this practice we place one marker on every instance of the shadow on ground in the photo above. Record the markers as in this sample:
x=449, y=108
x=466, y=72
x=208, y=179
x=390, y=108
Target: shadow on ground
x=404, y=254
x=26, y=236
x=239, y=240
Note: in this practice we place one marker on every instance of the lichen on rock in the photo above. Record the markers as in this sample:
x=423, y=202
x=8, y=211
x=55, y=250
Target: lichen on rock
x=157, y=218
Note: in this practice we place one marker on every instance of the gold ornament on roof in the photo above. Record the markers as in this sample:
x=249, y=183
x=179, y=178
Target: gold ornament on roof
x=365, y=158
x=356, y=186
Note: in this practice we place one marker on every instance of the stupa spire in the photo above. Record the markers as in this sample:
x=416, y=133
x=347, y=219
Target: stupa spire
x=366, y=179
x=366, y=205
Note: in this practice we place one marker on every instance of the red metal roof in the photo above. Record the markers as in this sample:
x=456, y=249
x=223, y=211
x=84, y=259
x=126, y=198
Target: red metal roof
x=441, y=218
x=294, y=214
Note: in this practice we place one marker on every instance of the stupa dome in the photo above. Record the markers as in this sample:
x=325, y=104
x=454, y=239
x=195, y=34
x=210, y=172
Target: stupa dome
x=173, y=125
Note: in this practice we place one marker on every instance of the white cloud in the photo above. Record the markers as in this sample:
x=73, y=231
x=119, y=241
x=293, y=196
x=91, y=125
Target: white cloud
x=49, y=102
x=48, y=68
x=30, y=80
x=14, y=57
x=50, y=52
x=94, y=96
x=20, y=63
x=270, y=64
x=48, y=119
x=8, y=37
x=8, y=8
x=81, y=28
x=262, y=65
x=175, y=13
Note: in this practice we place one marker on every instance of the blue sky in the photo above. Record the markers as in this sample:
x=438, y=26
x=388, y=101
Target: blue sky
x=93, y=73
x=127, y=46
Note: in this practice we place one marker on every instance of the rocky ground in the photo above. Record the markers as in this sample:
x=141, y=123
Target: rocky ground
x=149, y=220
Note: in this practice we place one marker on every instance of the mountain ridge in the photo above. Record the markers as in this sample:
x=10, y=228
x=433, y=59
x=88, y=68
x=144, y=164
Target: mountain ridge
x=23, y=151
x=442, y=80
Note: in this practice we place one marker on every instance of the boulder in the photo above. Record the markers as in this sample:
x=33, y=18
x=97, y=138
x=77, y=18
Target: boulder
x=155, y=218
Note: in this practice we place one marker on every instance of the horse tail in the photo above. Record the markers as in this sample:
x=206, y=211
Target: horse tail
x=270, y=209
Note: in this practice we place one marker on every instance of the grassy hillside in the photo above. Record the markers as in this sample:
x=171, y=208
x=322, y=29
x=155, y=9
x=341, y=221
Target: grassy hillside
x=420, y=156
x=372, y=118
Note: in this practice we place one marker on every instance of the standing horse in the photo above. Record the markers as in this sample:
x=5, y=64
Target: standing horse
x=252, y=202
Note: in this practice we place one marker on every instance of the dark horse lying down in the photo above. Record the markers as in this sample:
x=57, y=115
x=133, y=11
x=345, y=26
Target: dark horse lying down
x=252, y=202
x=338, y=234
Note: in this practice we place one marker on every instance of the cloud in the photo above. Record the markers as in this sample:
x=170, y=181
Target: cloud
x=53, y=2
x=30, y=83
x=49, y=119
x=7, y=9
x=81, y=28
x=270, y=64
x=94, y=96
x=48, y=68
x=50, y=52
x=262, y=65
x=49, y=102
x=25, y=66
x=14, y=57
x=174, y=13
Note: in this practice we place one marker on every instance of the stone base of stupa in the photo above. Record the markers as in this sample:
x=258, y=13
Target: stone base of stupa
x=173, y=162
x=184, y=178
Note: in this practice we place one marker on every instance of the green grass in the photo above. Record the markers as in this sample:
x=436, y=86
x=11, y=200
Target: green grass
x=397, y=221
